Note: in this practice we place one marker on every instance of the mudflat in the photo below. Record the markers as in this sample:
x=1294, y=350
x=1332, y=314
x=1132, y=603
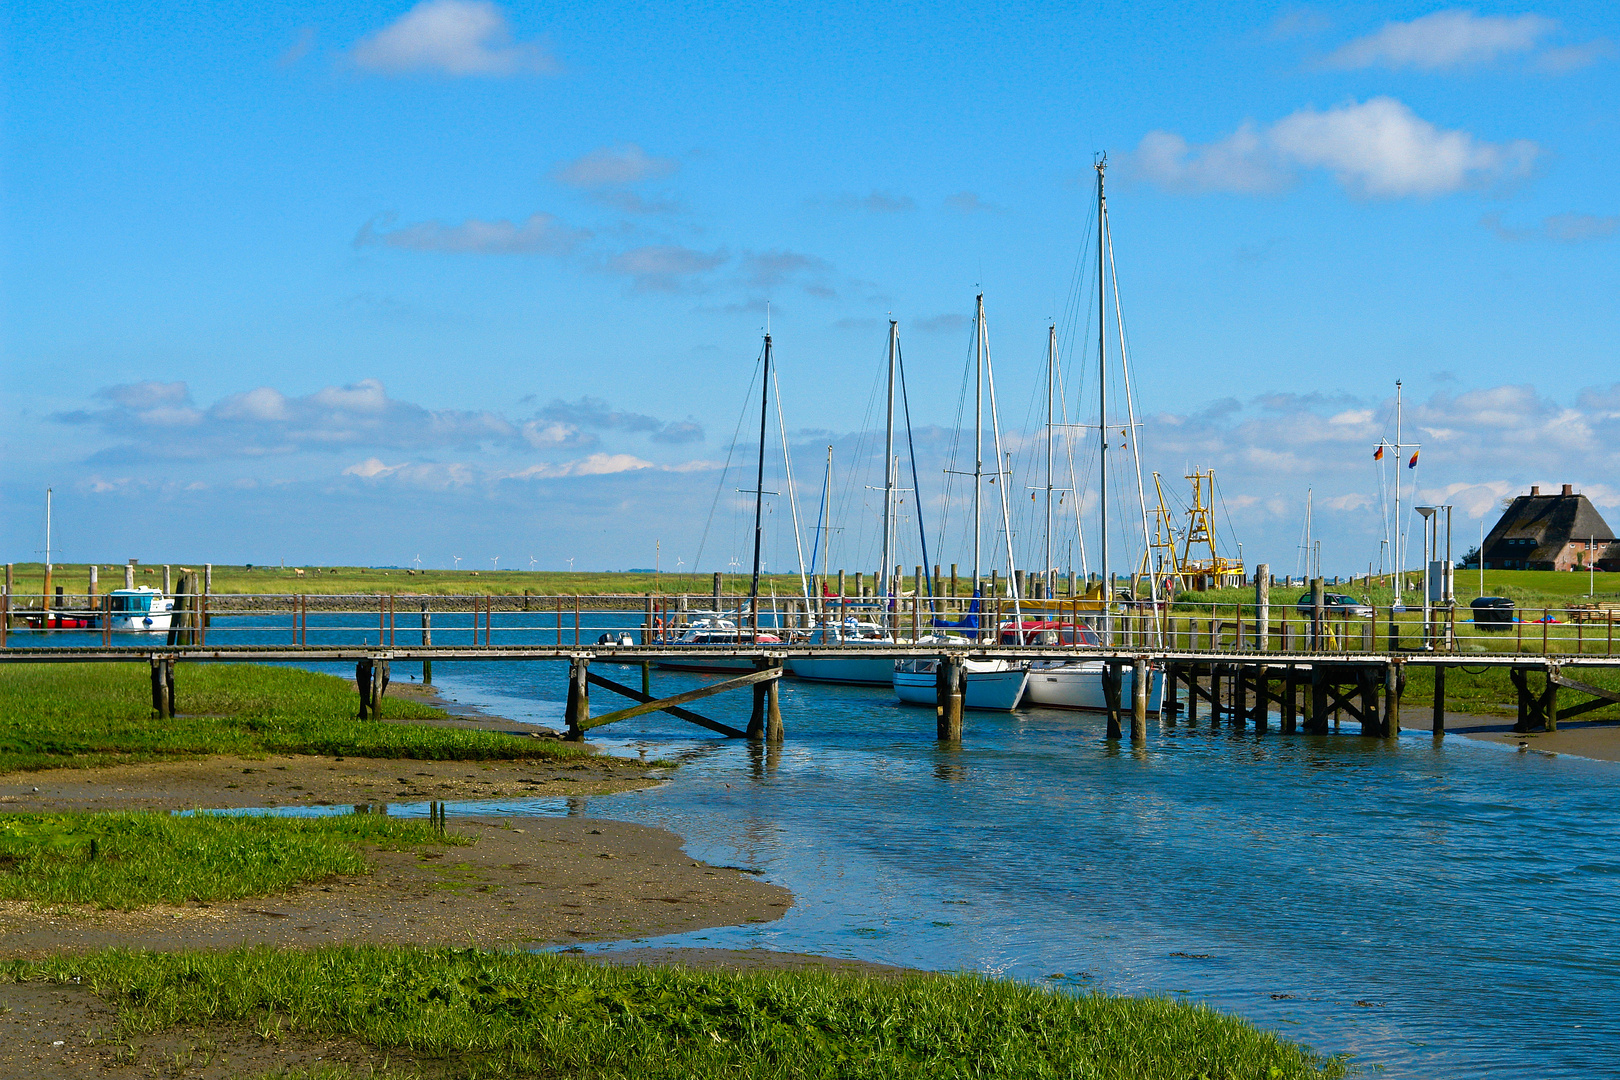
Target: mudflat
x=299, y=780
x=1597, y=739
x=518, y=883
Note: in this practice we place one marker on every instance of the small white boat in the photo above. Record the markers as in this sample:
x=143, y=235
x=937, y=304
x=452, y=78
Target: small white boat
x=713, y=629
x=991, y=685
x=859, y=670
x=1078, y=684
x=140, y=609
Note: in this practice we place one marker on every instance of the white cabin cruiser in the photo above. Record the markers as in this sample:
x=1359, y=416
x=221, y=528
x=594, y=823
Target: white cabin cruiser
x=140, y=609
x=990, y=685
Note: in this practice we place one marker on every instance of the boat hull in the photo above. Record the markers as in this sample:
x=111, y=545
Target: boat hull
x=855, y=670
x=986, y=691
x=1079, y=685
x=708, y=663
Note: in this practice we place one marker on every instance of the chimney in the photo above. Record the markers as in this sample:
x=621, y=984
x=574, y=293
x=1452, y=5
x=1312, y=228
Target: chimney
x=1569, y=489
x=1535, y=489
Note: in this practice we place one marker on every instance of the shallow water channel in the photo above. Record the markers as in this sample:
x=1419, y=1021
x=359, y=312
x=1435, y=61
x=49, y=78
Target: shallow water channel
x=1435, y=910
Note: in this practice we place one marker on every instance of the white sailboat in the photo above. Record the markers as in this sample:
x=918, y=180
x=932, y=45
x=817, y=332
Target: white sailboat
x=1078, y=684
x=848, y=632
x=996, y=685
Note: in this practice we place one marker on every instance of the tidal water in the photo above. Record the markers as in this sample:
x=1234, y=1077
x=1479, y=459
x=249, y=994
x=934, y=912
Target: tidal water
x=1429, y=910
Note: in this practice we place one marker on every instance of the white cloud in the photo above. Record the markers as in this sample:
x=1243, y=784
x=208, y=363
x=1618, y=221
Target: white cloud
x=968, y=202
x=370, y=469
x=664, y=267
x=1445, y=39
x=594, y=465
x=451, y=37
x=1378, y=148
x=541, y=234
x=614, y=166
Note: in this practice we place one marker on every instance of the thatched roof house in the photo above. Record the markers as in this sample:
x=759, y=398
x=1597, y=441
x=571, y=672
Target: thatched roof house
x=1550, y=532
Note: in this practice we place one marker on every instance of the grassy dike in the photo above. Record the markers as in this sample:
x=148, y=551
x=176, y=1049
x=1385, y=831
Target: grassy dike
x=467, y=1013
x=85, y=715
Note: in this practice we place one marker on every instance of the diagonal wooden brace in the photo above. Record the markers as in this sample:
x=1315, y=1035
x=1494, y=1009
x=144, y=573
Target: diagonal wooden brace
x=663, y=704
x=674, y=710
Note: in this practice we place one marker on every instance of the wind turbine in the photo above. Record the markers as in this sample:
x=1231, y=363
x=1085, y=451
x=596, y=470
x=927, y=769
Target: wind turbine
x=570, y=564
x=418, y=561
x=531, y=564
x=458, y=561
x=494, y=563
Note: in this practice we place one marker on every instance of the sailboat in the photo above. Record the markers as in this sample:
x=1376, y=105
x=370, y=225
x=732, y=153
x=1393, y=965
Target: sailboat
x=845, y=630
x=1078, y=684
x=996, y=685
x=712, y=628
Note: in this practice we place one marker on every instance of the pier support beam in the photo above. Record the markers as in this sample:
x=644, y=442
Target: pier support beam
x=362, y=683
x=1290, y=709
x=1171, y=702
x=1392, y=700
x=766, y=720
x=1367, y=684
x=1140, y=681
x=1439, y=702
x=948, y=687
x=1316, y=723
x=578, y=711
x=1111, y=681
x=161, y=694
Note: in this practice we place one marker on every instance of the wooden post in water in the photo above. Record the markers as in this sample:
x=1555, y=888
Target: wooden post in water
x=1168, y=706
x=717, y=590
x=362, y=683
x=953, y=581
x=1192, y=694
x=578, y=711
x=427, y=642
x=168, y=586
x=1439, y=701
x=948, y=690
x=765, y=722
x=1316, y=721
x=1290, y=709
x=1392, y=700
x=1240, y=695
x=379, y=687
x=1551, y=711
x=1111, y=686
x=1139, y=700
x=93, y=583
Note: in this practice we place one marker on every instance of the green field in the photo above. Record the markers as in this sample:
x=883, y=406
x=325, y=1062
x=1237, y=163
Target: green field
x=85, y=715
x=129, y=861
x=470, y=1013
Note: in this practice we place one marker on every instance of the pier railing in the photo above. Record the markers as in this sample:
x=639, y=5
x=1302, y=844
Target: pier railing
x=1052, y=626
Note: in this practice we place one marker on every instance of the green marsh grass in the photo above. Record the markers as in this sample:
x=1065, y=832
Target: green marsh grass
x=84, y=715
x=133, y=860
x=485, y=1014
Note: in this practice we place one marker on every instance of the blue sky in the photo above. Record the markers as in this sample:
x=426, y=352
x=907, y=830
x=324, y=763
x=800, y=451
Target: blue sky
x=360, y=284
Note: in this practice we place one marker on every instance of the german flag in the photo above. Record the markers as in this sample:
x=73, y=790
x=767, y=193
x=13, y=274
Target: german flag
x=1378, y=454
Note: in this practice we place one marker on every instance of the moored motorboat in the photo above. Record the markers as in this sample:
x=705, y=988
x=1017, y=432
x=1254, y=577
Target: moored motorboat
x=989, y=685
x=140, y=609
x=850, y=633
x=712, y=630
x=1078, y=684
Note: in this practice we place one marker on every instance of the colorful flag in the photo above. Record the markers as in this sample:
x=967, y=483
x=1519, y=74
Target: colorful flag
x=1413, y=463
x=1378, y=454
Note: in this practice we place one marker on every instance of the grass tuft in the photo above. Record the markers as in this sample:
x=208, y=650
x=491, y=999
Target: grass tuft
x=133, y=860
x=86, y=715
x=492, y=1014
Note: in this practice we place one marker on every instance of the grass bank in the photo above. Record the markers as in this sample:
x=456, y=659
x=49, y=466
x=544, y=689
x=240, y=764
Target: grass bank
x=129, y=861
x=472, y=1013
x=85, y=715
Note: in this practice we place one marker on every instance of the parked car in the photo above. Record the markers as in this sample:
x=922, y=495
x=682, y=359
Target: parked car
x=1493, y=612
x=1337, y=604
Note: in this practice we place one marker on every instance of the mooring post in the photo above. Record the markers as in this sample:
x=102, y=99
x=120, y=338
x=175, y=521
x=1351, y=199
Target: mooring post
x=379, y=687
x=757, y=718
x=579, y=695
x=362, y=683
x=1139, y=699
x=773, y=709
x=1240, y=694
x=1392, y=700
x=160, y=696
x=717, y=590
x=948, y=695
x=1290, y=709
x=1262, y=605
x=427, y=642
x=1439, y=701
x=1262, y=697
x=1550, y=713
x=1316, y=721
x=1169, y=704
x=1111, y=681
x=167, y=586
x=1215, y=671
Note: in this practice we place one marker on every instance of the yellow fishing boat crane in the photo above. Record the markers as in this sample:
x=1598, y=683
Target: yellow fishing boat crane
x=1191, y=553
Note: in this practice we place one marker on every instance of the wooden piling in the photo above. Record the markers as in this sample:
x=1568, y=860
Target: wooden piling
x=1316, y=721
x=1392, y=700
x=717, y=590
x=1111, y=687
x=1139, y=700
x=167, y=585
x=948, y=688
x=379, y=687
x=1169, y=704
x=427, y=642
x=578, y=710
x=1439, y=701
x=1290, y=709
x=362, y=684
x=765, y=721
x=93, y=583
x=160, y=695
x=1240, y=695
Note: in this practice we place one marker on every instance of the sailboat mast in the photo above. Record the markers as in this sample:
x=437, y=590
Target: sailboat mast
x=1006, y=514
x=1102, y=400
x=1399, y=452
x=978, y=433
x=759, y=486
x=1051, y=392
x=826, y=518
x=884, y=578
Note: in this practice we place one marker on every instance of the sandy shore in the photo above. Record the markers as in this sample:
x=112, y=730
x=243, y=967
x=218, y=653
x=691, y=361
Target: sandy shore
x=1598, y=739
